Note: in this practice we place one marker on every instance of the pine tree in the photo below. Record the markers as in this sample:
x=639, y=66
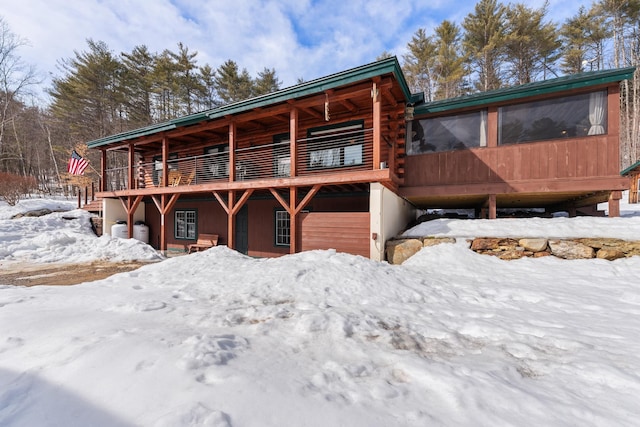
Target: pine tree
x=484, y=43
x=532, y=45
x=232, y=85
x=88, y=96
x=266, y=82
x=419, y=62
x=449, y=62
x=207, y=97
x=186, y=78
x=138, y=85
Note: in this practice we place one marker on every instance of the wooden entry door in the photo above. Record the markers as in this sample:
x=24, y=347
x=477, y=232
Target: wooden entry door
x=242, y=230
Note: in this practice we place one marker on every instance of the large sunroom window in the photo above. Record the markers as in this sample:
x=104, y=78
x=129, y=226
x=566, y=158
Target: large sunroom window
x=565, y=117
x=445, y=133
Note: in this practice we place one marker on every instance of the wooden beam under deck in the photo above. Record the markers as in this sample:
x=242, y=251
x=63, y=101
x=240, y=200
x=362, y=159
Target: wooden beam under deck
x=355, y=177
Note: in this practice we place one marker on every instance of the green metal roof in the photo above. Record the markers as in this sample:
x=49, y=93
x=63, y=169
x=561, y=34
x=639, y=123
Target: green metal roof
x=364, y=72
x=634, y=166
x=544, y=87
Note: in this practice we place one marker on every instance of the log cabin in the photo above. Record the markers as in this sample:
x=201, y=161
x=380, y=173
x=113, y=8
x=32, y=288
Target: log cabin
x=346, y=161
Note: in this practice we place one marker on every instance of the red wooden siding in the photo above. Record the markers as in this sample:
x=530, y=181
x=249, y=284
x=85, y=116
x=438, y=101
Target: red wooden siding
x=343, y=231
x=595, y=156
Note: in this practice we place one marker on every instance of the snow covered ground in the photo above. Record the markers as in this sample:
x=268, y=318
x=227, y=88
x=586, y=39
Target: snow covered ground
x=450, y=338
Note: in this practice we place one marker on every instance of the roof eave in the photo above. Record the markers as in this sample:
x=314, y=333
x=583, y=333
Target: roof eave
x=524, y=91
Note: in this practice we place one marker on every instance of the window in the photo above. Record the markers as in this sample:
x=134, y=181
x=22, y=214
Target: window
x=283, y=228
x=217, y=161
x=565, y=117
x=336, y=146
x=172, y=164
x=281, y=156
x=458, y=132
x=185, y=224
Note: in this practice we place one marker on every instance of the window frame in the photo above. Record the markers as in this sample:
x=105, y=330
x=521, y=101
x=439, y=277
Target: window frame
x=193, y=223
x=534, y=114
x=157, y=167
x=319, y=153
x=420, y=140
x=221, y=160
x=281, y=154
x=287, y=219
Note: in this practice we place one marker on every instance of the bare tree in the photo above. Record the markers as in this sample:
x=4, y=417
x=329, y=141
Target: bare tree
x=15, y=76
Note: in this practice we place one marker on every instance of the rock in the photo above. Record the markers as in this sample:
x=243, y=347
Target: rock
x=433, y=241
x=495, y=244
x=599, y=243
x=33, y=213
x=609, y=254
x=541, y=254
x=512, y=254
x=398, y=251
x=533, y=245
x=569, y=249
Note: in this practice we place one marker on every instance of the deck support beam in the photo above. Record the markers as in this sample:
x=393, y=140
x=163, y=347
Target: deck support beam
x=614, y=203
x=164, y=203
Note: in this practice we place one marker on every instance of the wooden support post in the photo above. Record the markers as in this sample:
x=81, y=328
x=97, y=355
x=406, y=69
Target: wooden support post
x=293, y=215
x=164, y=205
x=103, y=165
x=231, y=221
x=130, y=213
x=131, y=175
x=377, y=125
x=492, y=206
x=293, y=148
x=165, y=162
x=232, y=153
x=614, y=203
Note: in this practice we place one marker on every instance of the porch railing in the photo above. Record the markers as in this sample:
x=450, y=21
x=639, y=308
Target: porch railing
x=321, y=154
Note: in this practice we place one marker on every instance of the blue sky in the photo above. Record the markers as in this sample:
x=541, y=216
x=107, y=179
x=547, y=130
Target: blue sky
x=299, y=38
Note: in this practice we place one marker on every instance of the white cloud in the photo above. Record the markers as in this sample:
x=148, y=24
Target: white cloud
x=299, y=39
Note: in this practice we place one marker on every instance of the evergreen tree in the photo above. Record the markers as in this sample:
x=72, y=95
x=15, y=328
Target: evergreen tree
x=449, y=62
x=484, y=43
x=188, y=85
x=207, y=97
x=231, y=84
x=419, y=62
x=532, y=45
x=165, y=87
x=138, y=85
x=87, y=96
x=583, y=37
x=266, y=82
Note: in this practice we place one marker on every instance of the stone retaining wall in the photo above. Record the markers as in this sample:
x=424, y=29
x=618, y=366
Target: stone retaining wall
x=399, y=250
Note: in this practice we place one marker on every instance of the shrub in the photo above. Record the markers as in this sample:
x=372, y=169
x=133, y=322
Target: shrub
x=13, y=187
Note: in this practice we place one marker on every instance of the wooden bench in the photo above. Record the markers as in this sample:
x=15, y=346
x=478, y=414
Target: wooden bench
x=205, y=241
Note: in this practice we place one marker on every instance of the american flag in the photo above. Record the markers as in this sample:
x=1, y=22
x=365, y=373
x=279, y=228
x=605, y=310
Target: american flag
x=77, y=164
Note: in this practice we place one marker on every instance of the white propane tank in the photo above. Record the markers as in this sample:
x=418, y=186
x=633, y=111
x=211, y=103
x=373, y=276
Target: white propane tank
x=120, y=229
x=141, y=232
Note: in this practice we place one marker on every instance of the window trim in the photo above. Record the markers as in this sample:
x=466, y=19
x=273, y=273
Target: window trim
x=195, y=224
x=275, y=230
